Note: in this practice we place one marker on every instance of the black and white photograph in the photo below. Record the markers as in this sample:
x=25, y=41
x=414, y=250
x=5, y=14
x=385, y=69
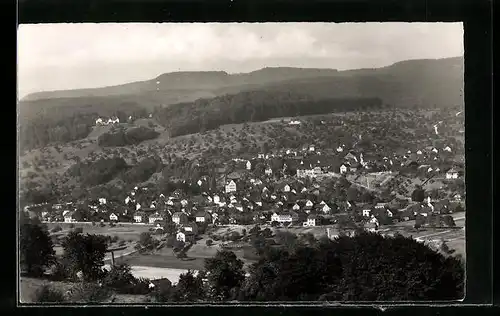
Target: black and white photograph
x=244, y=163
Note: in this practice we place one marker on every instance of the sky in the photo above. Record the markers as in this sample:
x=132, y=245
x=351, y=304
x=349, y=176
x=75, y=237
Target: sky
x=86, y=55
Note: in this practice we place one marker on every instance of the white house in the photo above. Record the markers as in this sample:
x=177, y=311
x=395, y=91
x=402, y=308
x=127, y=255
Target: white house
x=296, y=207
x=284, y=218
x=340, y=149
x=419, y=152
x=294, y=122
x=326, y=208
x=137, y=206
x=268, y=171
x=102, y=201
x=216, y=199
x=452, y=174
x=231, y=187
x=343, y=169
x=286, y=188
x=199, y=182
x=312, y=220
x=127, y=200
x=309, y=203
x=169, y=202
x=312, y=148
x=139, y=217
x=113, y=217
x=447, y=148
x=184, y=203
x=155, y=217
x=68, y=218
x=367, y=212
x=99, y=121
x=249, y=165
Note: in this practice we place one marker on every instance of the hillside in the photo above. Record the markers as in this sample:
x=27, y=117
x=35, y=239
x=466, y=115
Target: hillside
x=411, y=84
x=179, y=87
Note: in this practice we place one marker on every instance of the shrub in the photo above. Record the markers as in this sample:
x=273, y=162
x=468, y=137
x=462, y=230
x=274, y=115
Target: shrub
x=71, y=225
x=210, y=242
x=162, y=290
x=102, y=224
x=47, y=294
x=178, y=245
x=88, y=293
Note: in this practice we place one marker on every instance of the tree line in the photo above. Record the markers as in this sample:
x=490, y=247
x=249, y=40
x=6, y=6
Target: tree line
x=208, y=114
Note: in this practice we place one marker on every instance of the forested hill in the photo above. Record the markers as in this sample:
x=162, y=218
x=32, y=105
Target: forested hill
x=178, y=82
x=254, y=106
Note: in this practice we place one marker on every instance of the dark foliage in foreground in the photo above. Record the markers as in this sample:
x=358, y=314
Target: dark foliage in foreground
x=367, y=267
x=36, y=249
x=84, y=253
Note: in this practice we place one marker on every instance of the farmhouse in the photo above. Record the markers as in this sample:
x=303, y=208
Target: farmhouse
x=452, y=174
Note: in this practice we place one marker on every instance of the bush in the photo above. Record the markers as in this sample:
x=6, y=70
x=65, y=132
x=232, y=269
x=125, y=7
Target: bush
x=274, y=224
x=88, y=293
x=47, y=294
x=178, y=245
x=210, y=242
x=56, y=229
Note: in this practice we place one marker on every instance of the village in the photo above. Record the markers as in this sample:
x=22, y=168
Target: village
x=329, y=189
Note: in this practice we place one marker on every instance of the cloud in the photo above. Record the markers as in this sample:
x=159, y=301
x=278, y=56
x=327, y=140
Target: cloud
x=63, y=56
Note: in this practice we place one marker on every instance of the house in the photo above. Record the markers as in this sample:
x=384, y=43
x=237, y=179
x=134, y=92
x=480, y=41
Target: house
x=68, y=217
x=155, y=217
x=296, y=207
x=231, y=186
x=203, y=217
x=249, y=165
x=367, y=212
x=185, y=236
x=285, y=217
x=286, y=188
x=313, y=220
x=309, y=204
x=140, y=217
x=326, y=208
x=268, y=171
x=113, y=217
x=191, y=227
x=448, y=149
x=452, y=174
x=380, y=205
x=343, y=169
x=179, y=218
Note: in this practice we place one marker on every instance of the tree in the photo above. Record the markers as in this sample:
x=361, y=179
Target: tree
x=352, y=193
x=418, y=195
x=35, y=249
x=190, y=288
x=449, y=220
x=225, y=272
x=287, y=239
x=147, y=242
x=84, y=253
x=356, y=268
